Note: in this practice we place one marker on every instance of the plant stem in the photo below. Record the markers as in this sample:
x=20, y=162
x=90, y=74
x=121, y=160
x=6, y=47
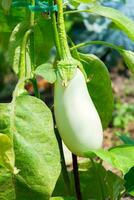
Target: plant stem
x=63, y=164
x=32, y=51
x=35, y=87
x=55, y=32
x=96, y=43
x=65, y=51
x=76, y=177
x=75, y=11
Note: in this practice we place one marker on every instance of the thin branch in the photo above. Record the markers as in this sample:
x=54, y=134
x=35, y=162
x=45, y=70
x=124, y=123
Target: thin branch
x=76, y=177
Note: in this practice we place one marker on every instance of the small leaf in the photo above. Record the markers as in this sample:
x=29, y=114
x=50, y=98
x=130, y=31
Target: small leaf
x=7, y=158
x=129, y=59
x=99, y=86
x=47, y=72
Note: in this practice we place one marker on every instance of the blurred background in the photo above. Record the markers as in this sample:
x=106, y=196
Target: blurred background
x=81, y=28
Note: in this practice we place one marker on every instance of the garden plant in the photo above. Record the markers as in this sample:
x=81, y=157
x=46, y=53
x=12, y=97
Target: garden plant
x=32, y=163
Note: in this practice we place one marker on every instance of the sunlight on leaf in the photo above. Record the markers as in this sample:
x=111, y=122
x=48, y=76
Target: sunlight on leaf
x=7, y=158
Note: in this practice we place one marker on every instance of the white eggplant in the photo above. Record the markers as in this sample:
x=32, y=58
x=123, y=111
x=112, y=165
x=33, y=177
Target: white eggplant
x=76, y=117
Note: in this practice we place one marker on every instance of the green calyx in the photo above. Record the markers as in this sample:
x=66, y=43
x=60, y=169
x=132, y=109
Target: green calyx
x=66, y=69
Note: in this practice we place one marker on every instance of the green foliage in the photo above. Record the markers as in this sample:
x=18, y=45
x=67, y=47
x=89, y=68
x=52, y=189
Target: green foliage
x=99, y=86
x=42, y=39
x=29, y=154
x=124, y=113
x=96, y=182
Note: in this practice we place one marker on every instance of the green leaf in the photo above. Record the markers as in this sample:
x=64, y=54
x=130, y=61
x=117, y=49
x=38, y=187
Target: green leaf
x=99, y=86
x=47, y=72
x=37, y=156
x=121, y=21
x=15, y=45
x=95, y=182
x=7, y=157
x=121, y=157
x=129, y=184
x=128, y=57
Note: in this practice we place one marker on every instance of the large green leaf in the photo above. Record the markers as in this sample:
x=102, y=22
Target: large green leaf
x=99, y=86
x=36, y=152
x=123, y=22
